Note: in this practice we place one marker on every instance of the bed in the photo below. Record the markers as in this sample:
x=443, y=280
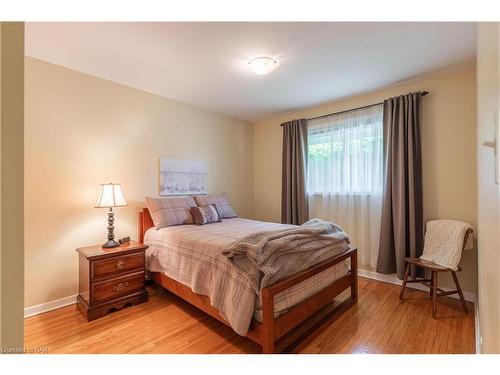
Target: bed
x=187, y=261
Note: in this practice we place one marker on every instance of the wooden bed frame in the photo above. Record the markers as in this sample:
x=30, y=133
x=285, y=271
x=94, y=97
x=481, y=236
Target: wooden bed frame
x=299, y=325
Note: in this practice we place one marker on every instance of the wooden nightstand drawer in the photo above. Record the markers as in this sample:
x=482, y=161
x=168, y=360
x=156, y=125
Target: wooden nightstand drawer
x=111, y=266
x=114, y=288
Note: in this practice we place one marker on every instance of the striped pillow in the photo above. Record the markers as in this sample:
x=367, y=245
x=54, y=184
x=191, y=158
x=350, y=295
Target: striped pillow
x=205, y=215
x=221, y=203
x=167, y=212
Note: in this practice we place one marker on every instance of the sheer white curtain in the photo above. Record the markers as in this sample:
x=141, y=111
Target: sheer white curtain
x=345, y=175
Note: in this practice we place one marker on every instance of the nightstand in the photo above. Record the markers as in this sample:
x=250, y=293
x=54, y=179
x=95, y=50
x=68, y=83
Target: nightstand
x=111, y=278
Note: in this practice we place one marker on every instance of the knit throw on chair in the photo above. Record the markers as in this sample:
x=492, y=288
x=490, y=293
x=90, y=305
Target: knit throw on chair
x=444, y=242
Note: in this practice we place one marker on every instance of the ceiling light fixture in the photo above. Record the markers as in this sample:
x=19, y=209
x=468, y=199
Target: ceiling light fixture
x=262, y=65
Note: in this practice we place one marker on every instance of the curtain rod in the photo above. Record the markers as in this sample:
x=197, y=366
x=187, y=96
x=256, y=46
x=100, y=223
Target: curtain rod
x=424, y=93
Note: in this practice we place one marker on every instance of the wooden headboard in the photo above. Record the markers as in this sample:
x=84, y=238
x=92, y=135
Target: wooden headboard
x=144, y=223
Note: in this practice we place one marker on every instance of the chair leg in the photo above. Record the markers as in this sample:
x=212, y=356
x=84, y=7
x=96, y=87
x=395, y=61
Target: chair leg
x=462, y=299
x=403, y=286
x=434, y=292
x=430, y=289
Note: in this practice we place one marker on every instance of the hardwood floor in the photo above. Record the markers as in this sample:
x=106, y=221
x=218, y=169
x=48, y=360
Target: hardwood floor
x=379, y=323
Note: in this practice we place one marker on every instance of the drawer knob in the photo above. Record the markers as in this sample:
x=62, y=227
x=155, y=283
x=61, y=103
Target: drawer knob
x=120, y=286
x=120, y=264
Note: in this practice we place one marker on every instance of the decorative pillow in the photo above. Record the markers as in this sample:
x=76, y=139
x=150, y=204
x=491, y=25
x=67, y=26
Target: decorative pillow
x=167, y=212
x=205, y=215
x=221, y=203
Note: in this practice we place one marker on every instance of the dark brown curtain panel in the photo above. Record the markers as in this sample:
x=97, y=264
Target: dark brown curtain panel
x=294, y=205
x=401, y=233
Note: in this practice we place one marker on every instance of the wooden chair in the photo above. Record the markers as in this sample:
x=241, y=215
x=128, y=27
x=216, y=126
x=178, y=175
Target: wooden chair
x=432, y=282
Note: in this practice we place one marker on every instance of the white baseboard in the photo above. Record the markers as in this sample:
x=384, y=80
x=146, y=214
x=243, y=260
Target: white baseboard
x=49, y=306
x=393, y=279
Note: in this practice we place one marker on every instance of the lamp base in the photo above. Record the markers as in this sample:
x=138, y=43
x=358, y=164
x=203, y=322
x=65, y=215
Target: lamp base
x=111, y=243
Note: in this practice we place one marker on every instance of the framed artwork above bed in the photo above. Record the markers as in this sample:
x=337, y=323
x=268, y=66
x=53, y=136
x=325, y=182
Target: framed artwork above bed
x=183, y=177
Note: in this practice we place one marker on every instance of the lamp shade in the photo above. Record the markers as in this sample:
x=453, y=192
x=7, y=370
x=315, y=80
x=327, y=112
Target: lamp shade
x=111, y=196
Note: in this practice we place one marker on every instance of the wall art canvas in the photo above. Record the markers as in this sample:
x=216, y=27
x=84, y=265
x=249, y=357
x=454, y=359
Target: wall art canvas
x=183, y=177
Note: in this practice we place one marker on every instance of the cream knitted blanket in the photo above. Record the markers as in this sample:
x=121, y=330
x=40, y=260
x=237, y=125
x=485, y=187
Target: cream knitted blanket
x=444, y=242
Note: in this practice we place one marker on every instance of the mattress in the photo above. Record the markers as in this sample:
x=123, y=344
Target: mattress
x=192, y=255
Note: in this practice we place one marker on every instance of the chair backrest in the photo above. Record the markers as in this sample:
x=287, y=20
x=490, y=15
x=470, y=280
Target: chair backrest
x=445, y=241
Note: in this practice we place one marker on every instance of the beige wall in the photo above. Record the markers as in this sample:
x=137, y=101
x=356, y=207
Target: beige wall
x=488, y=192
x=11, y=186
x=82, y=131
x=448, y=146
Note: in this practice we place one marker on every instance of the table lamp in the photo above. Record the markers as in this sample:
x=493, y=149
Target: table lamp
x=109, y=197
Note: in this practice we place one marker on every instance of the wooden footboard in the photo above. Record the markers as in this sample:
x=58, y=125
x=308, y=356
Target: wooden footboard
x=276, y=330
x=297, y=326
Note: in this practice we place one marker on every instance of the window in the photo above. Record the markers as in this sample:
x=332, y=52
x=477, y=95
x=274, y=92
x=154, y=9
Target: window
x=345, y=153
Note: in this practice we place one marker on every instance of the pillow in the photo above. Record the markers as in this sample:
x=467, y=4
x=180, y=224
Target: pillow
x=221, y=203
x=167, y=212
x=205, y=214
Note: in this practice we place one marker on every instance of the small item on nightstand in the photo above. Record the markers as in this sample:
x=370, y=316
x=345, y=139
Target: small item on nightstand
x=124, y=240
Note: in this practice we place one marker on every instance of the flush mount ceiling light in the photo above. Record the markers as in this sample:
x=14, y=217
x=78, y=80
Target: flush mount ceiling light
x=262, y=65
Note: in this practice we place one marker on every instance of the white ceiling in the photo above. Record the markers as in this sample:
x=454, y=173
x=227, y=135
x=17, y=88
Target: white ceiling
x=205, y=64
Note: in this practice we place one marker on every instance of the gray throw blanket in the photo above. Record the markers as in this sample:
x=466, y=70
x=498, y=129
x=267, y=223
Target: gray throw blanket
x=268, y=256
